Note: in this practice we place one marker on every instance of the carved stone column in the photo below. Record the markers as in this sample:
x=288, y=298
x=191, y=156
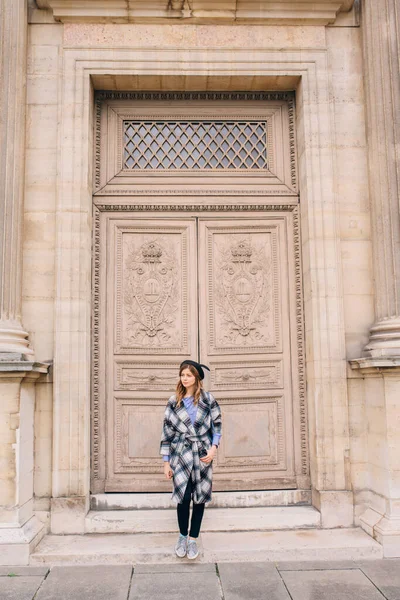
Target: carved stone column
x=20, y=529
x=380, y=31
x=13, y=33
x=380, y=368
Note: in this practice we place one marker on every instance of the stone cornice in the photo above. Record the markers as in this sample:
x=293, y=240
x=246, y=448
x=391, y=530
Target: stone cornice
x=24, y=369
x=371, y=365
x=285, y=12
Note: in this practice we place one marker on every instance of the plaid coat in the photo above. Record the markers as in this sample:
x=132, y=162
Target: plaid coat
x=183, y=441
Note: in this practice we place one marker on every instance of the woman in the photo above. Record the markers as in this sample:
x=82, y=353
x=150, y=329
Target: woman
x=191, y=434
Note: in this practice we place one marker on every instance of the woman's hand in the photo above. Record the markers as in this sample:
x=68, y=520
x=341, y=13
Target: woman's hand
x=167, y=470
x=210, y=455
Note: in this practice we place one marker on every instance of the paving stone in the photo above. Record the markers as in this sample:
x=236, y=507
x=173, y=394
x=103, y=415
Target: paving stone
x=330, y=585
x=196, y=586
x=77, y=582
x=315, y=565
x=251, y=581
x=385, y=574
x=19, y=588
x=183, y=567
x=25, y=571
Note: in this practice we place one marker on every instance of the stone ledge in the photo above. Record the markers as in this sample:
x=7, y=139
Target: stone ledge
x=287, y=12
x=376, y=364
x=123, y=548
x=162, y=500
x=23, y=369
x=215, y=520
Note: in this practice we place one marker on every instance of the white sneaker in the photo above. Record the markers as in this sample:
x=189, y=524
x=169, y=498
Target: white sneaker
x=192, y=550
x=181, y=546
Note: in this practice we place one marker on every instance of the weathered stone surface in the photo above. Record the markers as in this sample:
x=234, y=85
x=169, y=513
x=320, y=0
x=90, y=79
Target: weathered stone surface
x=385, y=574
x=221, y=519
x=316, y=565
x=178, y=567
x=23, y=571
x=341, y=544
x=19, y=588
x=330, y=585
x=251, y=581
x=200, y=11
x=168, y=586
x=215, y=547
x=79, y=582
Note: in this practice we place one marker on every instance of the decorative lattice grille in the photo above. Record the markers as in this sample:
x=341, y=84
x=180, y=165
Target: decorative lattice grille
x=195, y=145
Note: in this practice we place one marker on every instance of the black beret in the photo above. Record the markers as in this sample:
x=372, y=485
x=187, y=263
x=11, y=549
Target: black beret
x=197, y=366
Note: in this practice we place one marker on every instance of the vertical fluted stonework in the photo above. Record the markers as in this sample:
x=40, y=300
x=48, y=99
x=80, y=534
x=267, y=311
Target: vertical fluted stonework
x=381, y=47
x=13, y=48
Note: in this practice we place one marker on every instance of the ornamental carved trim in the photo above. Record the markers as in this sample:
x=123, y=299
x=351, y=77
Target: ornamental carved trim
x=96, y=299
x=288, y=97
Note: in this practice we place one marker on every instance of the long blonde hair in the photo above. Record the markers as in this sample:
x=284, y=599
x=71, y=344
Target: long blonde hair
x=180, y=388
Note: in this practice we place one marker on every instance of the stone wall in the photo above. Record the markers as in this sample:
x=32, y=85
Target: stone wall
x=39, y=246
x=340, y=45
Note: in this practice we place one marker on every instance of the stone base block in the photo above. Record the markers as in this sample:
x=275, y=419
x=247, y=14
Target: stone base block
x=68, y=514
x=17, y=543
x=336, y=508
x=386, y=530
x=369, y=519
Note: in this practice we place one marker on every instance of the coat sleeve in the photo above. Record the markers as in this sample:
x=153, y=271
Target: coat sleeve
x=216, y=418
x=167, y=434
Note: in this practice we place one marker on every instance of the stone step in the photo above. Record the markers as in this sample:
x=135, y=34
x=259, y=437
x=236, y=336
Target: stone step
x=215, y=519
x=134, y=501
x=299, y=545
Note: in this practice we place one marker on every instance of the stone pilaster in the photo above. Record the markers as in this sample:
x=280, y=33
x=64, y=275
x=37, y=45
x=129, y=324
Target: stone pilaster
x=380, y=367
x=380, y=31
x=13, y=33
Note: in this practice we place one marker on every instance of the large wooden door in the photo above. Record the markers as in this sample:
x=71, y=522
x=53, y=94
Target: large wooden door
x=215, y=289
x=197, y=254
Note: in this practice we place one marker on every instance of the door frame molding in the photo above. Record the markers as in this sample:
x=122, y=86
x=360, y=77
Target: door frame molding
x=297, y=358
x=300, y=67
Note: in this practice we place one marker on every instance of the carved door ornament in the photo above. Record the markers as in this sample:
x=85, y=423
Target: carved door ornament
x=243, y=294
x=151, y=296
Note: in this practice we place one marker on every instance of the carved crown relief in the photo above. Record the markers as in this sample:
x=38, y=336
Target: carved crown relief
x=152, y=292
x=243, y=291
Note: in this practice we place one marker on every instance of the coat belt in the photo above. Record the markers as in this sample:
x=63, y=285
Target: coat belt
x=183, y=437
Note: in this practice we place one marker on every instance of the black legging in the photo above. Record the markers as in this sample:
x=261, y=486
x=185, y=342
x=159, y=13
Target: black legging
x=183, y=513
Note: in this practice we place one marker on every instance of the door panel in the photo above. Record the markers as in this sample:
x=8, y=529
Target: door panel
x=155, y=277
x=152, y=326
x=244, y=338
